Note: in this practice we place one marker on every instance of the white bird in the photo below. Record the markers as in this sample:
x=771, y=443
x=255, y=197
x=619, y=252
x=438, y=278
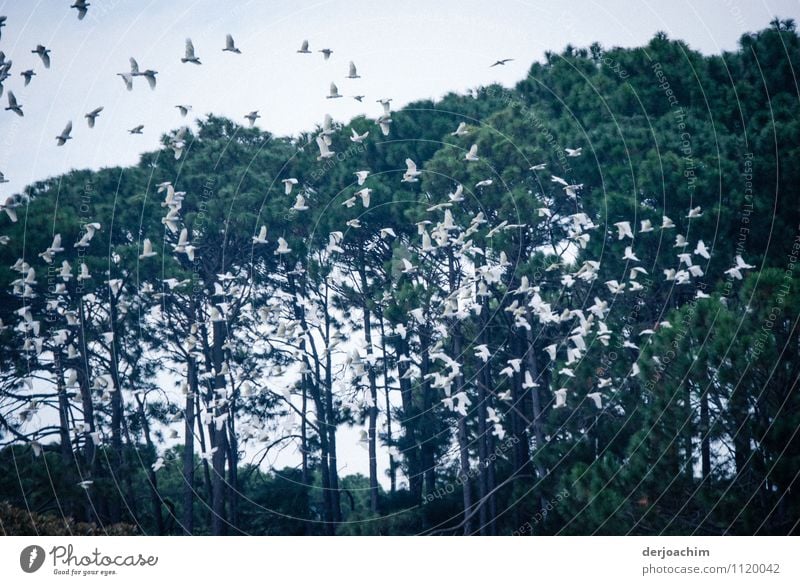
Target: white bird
x=484, y=183
x=66, y=271
x=288, y=184
x=561, y=398
x=91, y=117
x=458, y=195
x=666, y=223
x=528, y=382
x=90, y=228
x=387, y=233
x=324, y=152
x=361, y=176
x=252, y=117
x=358, y=138
x=147, y=249
x=84, y=273
x=539, y=167
x=411, y=174
x=573, y=152
x=741, y=264
x=128, y=79
x=482, y=352
x=551, y=351
x=624, y=230
x=695, y=270
x=680, y=241
x=461, y=130
x=472, y=155
x=701, y=250
x=82, y=6
x=695, y=212
x=646, y=226
x=230, y=46
x=353, y=73
x=299, y=203
x=44, y=55
x=614, y=286
x=365, y=196
x=283, y=247
x=158, y=464
x=597, y=398
x=559, y=180
x=334, y=92
x=629, y=255
x=189, y=56
x=62, y=138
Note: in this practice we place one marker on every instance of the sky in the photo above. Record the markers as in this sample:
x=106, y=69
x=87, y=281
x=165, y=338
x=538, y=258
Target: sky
x=421, y=50
x=407, y=51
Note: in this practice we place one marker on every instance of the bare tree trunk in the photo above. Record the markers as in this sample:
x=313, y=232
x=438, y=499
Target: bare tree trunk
x=219, y=436
x=409, y=421
x=392, y=465
x=155, y=497
x=188, y=450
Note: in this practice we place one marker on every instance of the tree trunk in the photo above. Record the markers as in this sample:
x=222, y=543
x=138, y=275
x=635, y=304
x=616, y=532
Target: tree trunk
x=188, y=449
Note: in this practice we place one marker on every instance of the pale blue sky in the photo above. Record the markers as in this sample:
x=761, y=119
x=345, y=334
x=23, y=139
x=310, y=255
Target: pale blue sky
x=421, y=50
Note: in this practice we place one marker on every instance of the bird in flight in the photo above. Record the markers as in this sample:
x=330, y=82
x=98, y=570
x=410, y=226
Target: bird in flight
x=189, y=56
x=326, y=53
x=44, y=55
x=92, y=116
x=304, y=48
x=353, y=74
x=136, y=129
x=500, y=62
x=27, y=75
x=62, y=138
x=252, y=117
x=82, y=6
x=334, y=92
x=230, y=46
x=13, y=105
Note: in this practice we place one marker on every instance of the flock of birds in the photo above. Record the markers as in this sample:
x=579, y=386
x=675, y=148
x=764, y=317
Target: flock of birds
x=440, y=232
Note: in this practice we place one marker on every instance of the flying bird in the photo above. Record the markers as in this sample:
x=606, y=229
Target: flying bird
x=44, y=55
x=252, y=117
x=27, y=75
x=283, y=247
x=461, y=130
x=304, y=48
x=324, y=151
x=189, y=56
x=334, y=92
x=472, y=155
x=147, y=249
x=13, y=105
x=326, y=53
x=82, y=6
x=573, y=152
x=62, y=138
x=353, y=73
x=183, y=109
x=261, y=238
x=91, y=117
x=136, y=129
x=500, y=62
x=230, y=46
